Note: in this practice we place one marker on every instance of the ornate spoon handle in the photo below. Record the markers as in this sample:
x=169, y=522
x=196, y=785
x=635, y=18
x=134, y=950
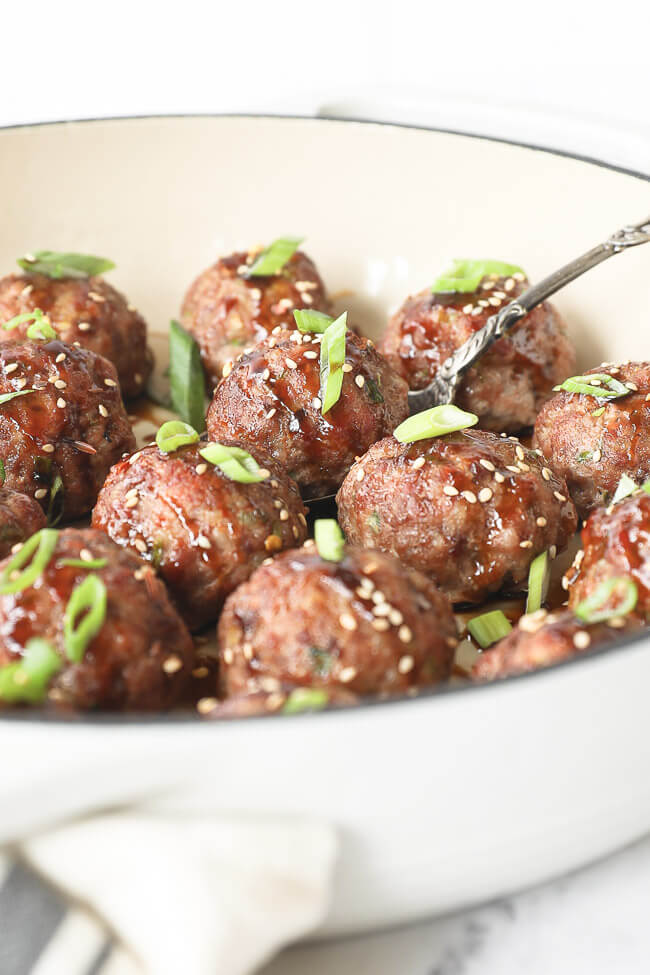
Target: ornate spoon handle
x=442, y=389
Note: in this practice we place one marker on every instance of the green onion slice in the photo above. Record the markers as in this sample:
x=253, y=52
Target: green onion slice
x=465, y=276
x=595, y=609
x=309, y=320
x=626, y=487
x=3, y=473
x=58, y=265
x=275, y=256
x=27, y=680
x=7, y=397
x=305, y=699
x=646, y=487
x=330, y=541
x=538, y=579
x=55, y=504
x=236, y=464
x=39, y=549
x=40, y=328
x=332, y=359
x=599, y=411
x=175, y=434
x=607, y=388
x=435, y=422
x=186, y=381
x=489, y=627
x=88, y=597
x=84, y=563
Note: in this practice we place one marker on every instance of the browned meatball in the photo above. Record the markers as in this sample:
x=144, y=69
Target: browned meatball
x=542, y=639
x=470, y=509
x=203, y=532
x=59, y=440
x=84, y=311
x=507, y=387
x=271, y=399
x=20, y=517
x=141, y=657
x=226, y=311
x=366, y=624
x=591, y=442
x=616, y=542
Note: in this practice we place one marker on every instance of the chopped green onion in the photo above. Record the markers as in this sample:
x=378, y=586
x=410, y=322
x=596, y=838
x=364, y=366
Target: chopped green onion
x=594, y=609
x=41, y=330
x=435, y=422
x=275, y=256
x=3, y=473
x=599, y=411
x=374, y=392
x=55, y=504
x=332, y=359
x=489, y=627
x=88, y=597
x=646, y=487
x=56, y=265
x=464, y=276
x=175, y=434
x=84, y=563
x=26, y=680
x=626, y=487
x=39, y=548
x=7, y=397
x=186, y=380
x=607, y=387
x=330, y=541
x=40, y=327
x=305, y=699
x=236, y=464
x=538, y=579
x=309, y=320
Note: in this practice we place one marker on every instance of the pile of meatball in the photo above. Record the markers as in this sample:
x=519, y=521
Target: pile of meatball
x=170, y=545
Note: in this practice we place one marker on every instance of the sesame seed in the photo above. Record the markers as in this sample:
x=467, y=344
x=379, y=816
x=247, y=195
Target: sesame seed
x=518, y=276
x=469, y=496
x=395, y=618
x=476, y=310
x=21, y=383
x=284, y=515
x=290, y=364
x=560, y=497
x=360, y=474
x=523, y=467
x=206, y=704
x=40, y=493
x=131, y=502
x=512, y=469
x=418, y=463
x=565, y=583
x=139, y=574
x=532, y=622
x=483, y=303
x=60, y=357
x=200, y=671
x=546, y=473
x=520, y=452
x=48, y=448
x=508, y=285
x=11, y=368
x=347, y=621
x=271, y=413
x=84, y=326
x=498, y=477
x=201, y=468
x=110, y=382
x=61, y=403
x=378, y=596
x=494, y=301
x=450, y=491
x=60, y=384
x=405, y=634
x=27, y=289
x=633, y=387
x=406, y=664
x=141, y=545
x=347, y=674
x=617, y=622
x=302, y=519
x=381, y=625
x=16, y=548
x=597, y=454
x=581, y=640
x=500, y=294
x=247, y=650
x=360, y=381
x=266, y=374
x=310, y=354
x=227, y=369
x=487, y=464
x=95, y=296
x=316, y=403
x=541, y=522
x=172, y=664
x=485, y=494
x=273, y=543
x=102, y=410
x=347, y=367
x=526, y=543
x=381, y=609
x=552, y=551
x=467, y=309
x=203, y=542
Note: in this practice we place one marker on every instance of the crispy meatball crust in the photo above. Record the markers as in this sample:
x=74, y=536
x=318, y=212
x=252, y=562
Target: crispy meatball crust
x=507, y=387
x=142, y=656
x=365, y=624
x=271, y=399
x=542, y=639
x=226, y=311
x=20, y=517
x=592, y=452
x=470, y=509
x=85, y=310
x=72, y=425
x=203, y=532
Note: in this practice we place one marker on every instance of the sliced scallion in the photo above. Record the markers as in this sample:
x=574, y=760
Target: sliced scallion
x=275, y=256
x=56, y=502
x=39, y=549
x=595, y=608
x=309, y=320
x=599, y=411
x=435, y=422
x=538, y=579
x=332, y=359
x=84, y=563
x=7, y=397
x=305, y=699
x=175, y=434
x=88, y=598
x=3, y=473
x=329, y=538
x=26, y=680
x=489, y=627
x=40, y=327
x=626, y=487
x=236, y=464
x=186, y=381
x=65, y=265
x=465, y=276
x=598, y=384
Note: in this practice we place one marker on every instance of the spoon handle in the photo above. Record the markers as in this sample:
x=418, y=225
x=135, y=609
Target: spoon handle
x=443, y=387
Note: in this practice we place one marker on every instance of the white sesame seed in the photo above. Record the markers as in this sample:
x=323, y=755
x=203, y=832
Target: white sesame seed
x=60, y=384
x=11, y=368
x=40, y=493
x=203, y=542
x=633, y=387
x=201, y=468
x=360, y=474
x=84, y=326
x=360, y=381
x=541, y=522
x=520, y=452
x=560, y=497
x=552, y=551
x=172, y=664
x=284, y=515
x=483, y=303
x=347, y=621
x=131, y=502
x=347, y=367
x=247, y=648
x=310, y=354
x=581, y=640
x=523, y=467
x=512, y=469
x=546, y=474
x=395, y=618
x=290, y=364
x=476, y=310
x=526, y=543
x=406, y=664
x=418, y=463
x=61, y=403
x=498, y=477
x=48, y=448
x=16, y=548
x=467, y=309
x=565, y=583
x=381, y=625
x=469, y=496
x=347, y=674
x=518, y=276
x=405, y=634
x=494, y=301
x=60, y=357
x=597, y=454
x=485, y=494
x=102, y=410
x=271, y=413
x=110, y=382
x=21, y=383
x=508, y=285
x=95, y=296
x=141, y=545
x=227, y=369
x=316, y=403
x=617, y=622
x=381, y=609
x=450, y=490
x=27, y=289
x=487, y=464
x=206, y=704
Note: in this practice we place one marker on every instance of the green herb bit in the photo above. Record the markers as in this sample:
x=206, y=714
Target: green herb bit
x=599, y=411
x=39, y=548
x=88, y=598
x=594, y=609
x=26, y=681
x=464, y=276
x=332, y=359
x=489, y=627
x=84, y=563
x=235, y=463
x=435, y=422
x=65, y=265
x=276, y=255
x=3, y=473
x=40, y=328
x=329, y=538
x=598, y=384
x=374, y=392
x=7, y=397
x=186, y=380
x=626, y=487
x=56, y=503
x=321, y=661
x=175, y=434
x=305, y=699
x=309, y=320
x=538, y=579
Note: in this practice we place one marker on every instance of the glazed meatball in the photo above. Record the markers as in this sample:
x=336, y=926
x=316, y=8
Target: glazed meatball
x=616, y=543
x=226, y=311
x=507, y=387
x=140, y=658
x=591, y=442
x=87, y=312
x=541, y=639
x=470, y=509
x=365, y=623
x=59, y=438
x=203, y=532
x=20, y=517
x=271, y=399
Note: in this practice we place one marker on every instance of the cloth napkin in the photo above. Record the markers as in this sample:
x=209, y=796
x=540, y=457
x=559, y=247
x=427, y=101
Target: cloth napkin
x=183, y=895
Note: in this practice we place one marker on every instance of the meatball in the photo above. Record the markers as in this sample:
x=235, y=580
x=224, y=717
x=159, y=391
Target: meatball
x=271, y=399
x=591, y=442
x=66, y=427
x=507, y=387
x=365, y=623
x=203, y=532
x=20, y=517
x=142, y=655
x=470, y=509
x=541, y=639
x=226, y=311
x=88, y=312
